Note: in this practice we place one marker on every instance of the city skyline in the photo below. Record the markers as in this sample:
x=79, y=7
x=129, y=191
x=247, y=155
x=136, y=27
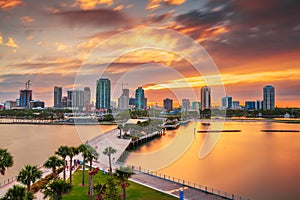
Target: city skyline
x=48, y=41
x=82, y=98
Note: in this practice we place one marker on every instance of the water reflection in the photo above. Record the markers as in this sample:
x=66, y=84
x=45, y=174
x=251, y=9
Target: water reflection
x=251, y=163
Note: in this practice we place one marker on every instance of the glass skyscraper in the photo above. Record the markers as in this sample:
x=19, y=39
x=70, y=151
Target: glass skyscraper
x=57, y=97
x=25, y=98
x=269, y=98
x=140, y=101
x=205, y=98
x=103, y=93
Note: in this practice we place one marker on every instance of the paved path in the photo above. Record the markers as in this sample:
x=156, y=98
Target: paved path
x=109, y=139
x=4, y=189
x=172, y=188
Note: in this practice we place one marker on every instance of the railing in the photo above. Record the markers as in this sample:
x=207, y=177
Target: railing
x=13, y=179
x=209, y=190
x=8, y=181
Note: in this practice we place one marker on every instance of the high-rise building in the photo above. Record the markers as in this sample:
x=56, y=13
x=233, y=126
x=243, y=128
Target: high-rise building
x=196, y=105
x=168, y=104
x=25, y=98
x=123, y=101
x=10, y=104
x=249, y=105
x=269, y=98
x=205, y=98
x=37, y=104
x=69, y=98
x=103, y=93
x=77, y=99
x=140, y=101
x=185, y=105
x=87, y=96
x=259, y=104
x=132, y=101
x=64, y=102
x=227, y=102
x=236, y=105
x=57, y=97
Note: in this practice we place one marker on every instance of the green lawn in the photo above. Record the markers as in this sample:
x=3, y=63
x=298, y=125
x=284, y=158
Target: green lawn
x=134, y=191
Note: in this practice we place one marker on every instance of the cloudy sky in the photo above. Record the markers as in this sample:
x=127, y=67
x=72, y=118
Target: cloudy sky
x=170, y=47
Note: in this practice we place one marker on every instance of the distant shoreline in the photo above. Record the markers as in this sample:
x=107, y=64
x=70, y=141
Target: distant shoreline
x=36, y=122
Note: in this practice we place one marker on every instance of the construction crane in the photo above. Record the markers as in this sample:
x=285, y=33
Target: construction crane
x=123, y=84
x=120, y=84
x=27, y=84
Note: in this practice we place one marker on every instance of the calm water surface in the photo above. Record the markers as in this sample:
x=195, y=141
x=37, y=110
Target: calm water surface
x=33, y=144
x=250, y=163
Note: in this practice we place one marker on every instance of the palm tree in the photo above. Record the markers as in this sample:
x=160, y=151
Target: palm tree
x=100, y=191
x=18, y=192
x=29, y=174
x=52, y=163
x=55, y=189
x=108, y=151
x=124, y=173
x=82, y=149
x=72, y=151
x=63, y=153
x=91, y=154
x=6, y=160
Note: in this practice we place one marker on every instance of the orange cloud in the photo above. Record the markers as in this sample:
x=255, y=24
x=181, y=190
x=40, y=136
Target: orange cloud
x=60, y=46
x=155, y=4
x=9, y=4
x=52, y=10
x=26, y=19
x=119, y=7
x=11, y=43
x=91, y=4
x=227, y=79
x=174, y=2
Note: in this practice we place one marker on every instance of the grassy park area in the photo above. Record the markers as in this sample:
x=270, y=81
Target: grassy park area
x=134, y=191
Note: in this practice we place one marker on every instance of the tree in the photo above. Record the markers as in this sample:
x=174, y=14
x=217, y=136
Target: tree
x=52, y=163
x=63, y=153
x=100, y=190
x=90, y=155
x=112, y=192
x=55, y=189
x=123, y=174
x=82, y=149
x=108, y=151
x=72, y=151
x=18, y=192
x=29, y=174
x=6, y=160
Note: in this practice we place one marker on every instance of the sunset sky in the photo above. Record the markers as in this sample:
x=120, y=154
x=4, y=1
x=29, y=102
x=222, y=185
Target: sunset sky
x=152, y=43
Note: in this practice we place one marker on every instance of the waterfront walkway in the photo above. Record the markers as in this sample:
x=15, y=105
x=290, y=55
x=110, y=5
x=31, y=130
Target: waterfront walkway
x=109, y=139
x=172, y=188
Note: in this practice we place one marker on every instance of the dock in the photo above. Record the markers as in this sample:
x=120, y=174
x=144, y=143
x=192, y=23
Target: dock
x=218, y=131
x=282, y=131
x=141, y=140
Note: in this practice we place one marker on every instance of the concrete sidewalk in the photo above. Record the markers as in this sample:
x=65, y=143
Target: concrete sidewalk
x=172, y=188
x=4, y=189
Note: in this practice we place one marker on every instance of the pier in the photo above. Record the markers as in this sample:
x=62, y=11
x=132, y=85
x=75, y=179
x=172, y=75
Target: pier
x=218, y=131
x=109, y=139
x=282, y=131
x=144, y=139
